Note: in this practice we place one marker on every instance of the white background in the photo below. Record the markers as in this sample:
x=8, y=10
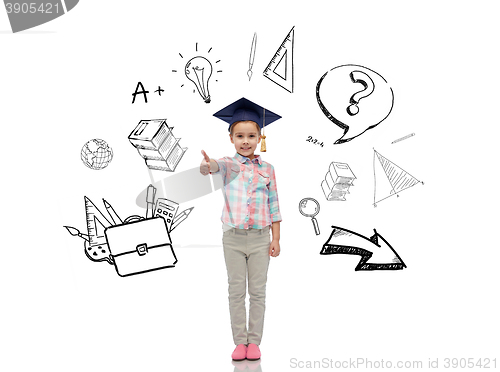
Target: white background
x=71, y=80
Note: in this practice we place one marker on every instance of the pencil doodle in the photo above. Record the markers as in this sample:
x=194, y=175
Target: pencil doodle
x=96, y=154
x=338, y=84
x=309, y=207
x=280, y=68
x=338, y=179
x=402, y=138
x=156, y=143
x=112, y=213
x=376, y=252
x=134, y=245
x=199, y=70
x=390, y=179
x=179, y=218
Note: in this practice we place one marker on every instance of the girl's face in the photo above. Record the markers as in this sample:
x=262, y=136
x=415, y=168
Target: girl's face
x=245, y=137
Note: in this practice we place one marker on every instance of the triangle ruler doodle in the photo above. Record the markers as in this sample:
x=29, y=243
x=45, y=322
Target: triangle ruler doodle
x=390, y=179
x=96, y=223
x=280, y=68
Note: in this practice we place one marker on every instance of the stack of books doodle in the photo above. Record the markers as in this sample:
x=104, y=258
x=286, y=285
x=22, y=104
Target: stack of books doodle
x=156, y=143
x=337, y=181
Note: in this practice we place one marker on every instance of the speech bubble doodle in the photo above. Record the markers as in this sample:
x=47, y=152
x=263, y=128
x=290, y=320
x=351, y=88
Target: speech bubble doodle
x=336, y=86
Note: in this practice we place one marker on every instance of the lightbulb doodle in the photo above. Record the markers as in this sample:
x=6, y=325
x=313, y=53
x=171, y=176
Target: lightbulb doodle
x=199, y=70
x=355, y=98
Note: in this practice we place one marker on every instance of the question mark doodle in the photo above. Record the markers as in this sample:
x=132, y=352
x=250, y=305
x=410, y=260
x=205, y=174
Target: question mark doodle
x=367, y=82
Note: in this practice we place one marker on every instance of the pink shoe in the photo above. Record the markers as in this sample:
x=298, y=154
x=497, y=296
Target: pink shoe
x=240, y=352
x=253, y=352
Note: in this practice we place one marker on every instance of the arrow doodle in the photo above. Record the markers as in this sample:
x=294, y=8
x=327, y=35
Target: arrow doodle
x=376, y=252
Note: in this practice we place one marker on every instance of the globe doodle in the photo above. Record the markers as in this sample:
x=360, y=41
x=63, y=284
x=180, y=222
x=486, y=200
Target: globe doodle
x=96, y=154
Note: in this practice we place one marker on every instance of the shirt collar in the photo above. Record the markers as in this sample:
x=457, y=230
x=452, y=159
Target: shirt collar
x=243, y=159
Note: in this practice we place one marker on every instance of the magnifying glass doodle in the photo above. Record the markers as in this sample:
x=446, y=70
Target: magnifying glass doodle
x=309, y=207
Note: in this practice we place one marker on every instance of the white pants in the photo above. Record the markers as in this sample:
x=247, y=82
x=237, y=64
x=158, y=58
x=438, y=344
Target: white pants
x=247, y=256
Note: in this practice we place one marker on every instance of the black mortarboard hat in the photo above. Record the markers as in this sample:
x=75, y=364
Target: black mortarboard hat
x=243, y=110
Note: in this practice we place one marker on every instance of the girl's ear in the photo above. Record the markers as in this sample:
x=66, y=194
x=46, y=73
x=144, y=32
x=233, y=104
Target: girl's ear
x=231, y=138
x=260, y=137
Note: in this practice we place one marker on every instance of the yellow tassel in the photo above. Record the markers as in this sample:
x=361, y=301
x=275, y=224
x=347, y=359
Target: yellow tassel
x=263, y=144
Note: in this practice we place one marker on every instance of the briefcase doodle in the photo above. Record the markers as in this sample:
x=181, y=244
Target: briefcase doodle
x=140, y=246
x=134, y=245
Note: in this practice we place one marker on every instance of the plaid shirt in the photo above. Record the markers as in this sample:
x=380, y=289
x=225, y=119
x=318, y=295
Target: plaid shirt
x=250, y=193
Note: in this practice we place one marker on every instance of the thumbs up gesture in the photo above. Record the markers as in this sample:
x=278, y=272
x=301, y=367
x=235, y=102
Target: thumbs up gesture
x=205, y=164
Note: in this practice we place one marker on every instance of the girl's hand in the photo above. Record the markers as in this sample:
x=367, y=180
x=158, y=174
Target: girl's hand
x=274, y=248
x=205, y=164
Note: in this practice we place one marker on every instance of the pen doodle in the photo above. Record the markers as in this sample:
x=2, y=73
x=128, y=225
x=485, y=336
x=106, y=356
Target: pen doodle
x=280, y=69
x=376, y=252
x=389, y=178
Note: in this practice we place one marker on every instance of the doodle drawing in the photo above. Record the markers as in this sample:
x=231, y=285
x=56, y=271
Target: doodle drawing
x=134, y=245
x=402, y=138
x=166, y=209
x=199, y=70
x=390, y=179
x=156, y=143
x=354, y=98
x=280, y=68
x=141, y=246
x=337, y=181
x=96, y=154
x=252, y=56
x=309, y=207
x=376, y=252
x=180, y=218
